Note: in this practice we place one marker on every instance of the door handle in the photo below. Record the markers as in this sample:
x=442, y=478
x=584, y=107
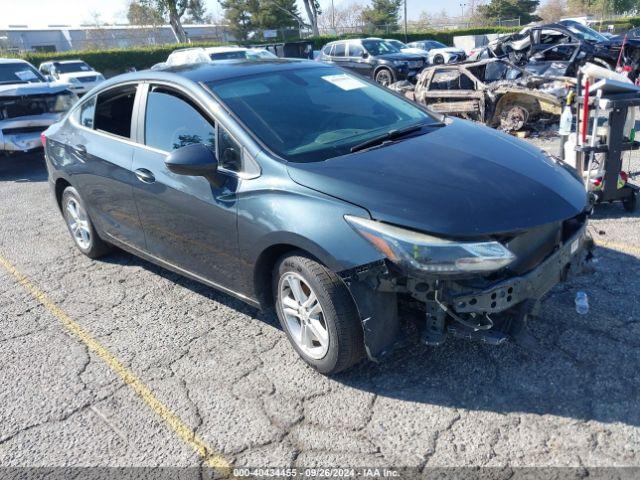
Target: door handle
x=144, y=175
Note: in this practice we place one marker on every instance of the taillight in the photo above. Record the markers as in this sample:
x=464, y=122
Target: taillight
x=43, y=139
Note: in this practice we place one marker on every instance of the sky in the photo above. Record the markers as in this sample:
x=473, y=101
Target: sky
x=73, y=12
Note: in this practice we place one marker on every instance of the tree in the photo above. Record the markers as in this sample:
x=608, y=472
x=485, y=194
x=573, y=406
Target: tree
x=602, y=7
x=383, y=12
x=505, y=9
x=239, y=15
x=346, y=17
x=174, y=9
x=275, y=14
x=197, y=12
x=138, y=14
x=553, y=10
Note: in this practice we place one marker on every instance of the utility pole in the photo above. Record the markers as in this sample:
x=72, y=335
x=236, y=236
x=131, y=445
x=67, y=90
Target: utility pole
x=406, y=34
x=333, y=18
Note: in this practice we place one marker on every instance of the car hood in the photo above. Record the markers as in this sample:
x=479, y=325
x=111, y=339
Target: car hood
x=20, y=89
x=400, y=56
x=460, y=180
x=65, y=76
x=414, y=51
x=446, y=50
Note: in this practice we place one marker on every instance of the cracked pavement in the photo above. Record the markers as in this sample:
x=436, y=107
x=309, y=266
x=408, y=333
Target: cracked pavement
x=228, y=372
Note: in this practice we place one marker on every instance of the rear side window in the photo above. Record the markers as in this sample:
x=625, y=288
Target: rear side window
x=87, y=112
x=172, y=121
x=113, y=111
x=339, y=51
x=327, y=49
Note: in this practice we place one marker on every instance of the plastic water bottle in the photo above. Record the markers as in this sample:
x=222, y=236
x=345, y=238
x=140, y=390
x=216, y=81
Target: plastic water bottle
x=582, y=303
x=566, y=121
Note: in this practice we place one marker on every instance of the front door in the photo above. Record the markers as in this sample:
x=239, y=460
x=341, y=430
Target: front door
x=189, y=222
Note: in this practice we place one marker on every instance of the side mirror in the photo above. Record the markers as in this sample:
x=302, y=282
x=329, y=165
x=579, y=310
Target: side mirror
x=196, y=160
x=365, y=55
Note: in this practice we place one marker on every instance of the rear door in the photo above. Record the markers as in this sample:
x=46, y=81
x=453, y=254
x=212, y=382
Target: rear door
x=100, y=154
x=189, y=222
x=453, y=91
x=339, y=56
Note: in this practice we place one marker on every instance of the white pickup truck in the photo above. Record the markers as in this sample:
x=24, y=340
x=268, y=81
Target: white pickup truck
x=28, y=105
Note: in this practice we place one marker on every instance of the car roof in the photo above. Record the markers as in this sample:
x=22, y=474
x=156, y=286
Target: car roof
x=68, y=61
x=219, y=71
x=13, y=60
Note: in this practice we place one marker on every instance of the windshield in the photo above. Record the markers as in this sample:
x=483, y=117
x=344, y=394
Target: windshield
x=433, y=44
x=232, y=55
x=586, y=33
x=396, y=43
x=19, y=73
x=72, y=67
x=260, y=54
x=312, y=114
x=379, y=47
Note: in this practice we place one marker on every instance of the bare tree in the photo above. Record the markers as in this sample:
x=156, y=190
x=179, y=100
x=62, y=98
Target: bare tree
x=347, y=17
x=174, y=9
x=553, y=10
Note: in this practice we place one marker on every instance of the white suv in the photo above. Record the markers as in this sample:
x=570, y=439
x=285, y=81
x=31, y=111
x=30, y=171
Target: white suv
x=80, y=76
x=213, y=54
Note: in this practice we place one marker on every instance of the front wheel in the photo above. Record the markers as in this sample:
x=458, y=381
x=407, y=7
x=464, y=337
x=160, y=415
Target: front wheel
x=384, y=77
x=318, y=314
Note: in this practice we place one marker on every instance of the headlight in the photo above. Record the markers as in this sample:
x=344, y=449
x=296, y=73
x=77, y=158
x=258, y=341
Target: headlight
x=74, y=80
x=419, y=251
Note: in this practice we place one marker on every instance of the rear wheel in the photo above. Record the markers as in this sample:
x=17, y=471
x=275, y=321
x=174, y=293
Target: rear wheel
x=318, y=314
x=384, y=77
x=79, y=224
x=513, y=118
x=438, y=60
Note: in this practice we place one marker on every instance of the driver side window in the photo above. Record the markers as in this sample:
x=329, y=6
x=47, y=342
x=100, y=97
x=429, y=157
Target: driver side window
x=172, y=121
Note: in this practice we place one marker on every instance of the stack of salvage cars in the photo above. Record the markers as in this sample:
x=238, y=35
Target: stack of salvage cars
x=524, y=77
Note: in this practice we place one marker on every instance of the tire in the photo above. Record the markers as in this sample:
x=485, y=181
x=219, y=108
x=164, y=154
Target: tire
x=338, y=316
x=630, y=203
x=384, y=77
x=514, y=118
x=438, y=60
x=80, y=226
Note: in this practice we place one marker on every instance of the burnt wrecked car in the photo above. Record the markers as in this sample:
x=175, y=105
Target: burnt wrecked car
x=28, y=105
x=494, y=91
x=564, y=46
x=292, y=184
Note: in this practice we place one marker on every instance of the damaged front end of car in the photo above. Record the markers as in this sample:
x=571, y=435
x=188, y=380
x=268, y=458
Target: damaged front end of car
x=483, y=289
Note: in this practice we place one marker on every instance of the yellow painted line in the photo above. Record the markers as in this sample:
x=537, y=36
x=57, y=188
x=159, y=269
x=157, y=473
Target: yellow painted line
x=188, y=436
x=619, y=246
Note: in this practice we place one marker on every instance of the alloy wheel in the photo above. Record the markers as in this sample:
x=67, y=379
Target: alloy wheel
x=78, y=222
x=303, y=315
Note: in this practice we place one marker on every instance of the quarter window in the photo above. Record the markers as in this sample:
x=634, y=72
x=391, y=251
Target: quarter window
x=172, y=121
x=114, y=109
x=87, y=111
x=229, y=151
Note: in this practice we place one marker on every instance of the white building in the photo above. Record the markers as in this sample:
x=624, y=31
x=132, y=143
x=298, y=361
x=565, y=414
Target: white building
x=60, y=38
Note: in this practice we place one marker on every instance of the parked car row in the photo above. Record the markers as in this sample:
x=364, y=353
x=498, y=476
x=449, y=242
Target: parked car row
x=386, y=61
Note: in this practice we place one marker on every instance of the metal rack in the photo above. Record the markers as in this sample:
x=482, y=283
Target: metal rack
x=617, y=107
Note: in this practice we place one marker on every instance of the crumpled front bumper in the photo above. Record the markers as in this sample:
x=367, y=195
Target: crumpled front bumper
x=378, y=292
x=502, y=295
x=22, y=134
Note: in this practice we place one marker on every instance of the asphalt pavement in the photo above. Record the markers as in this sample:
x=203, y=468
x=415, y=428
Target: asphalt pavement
x=117, y=362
